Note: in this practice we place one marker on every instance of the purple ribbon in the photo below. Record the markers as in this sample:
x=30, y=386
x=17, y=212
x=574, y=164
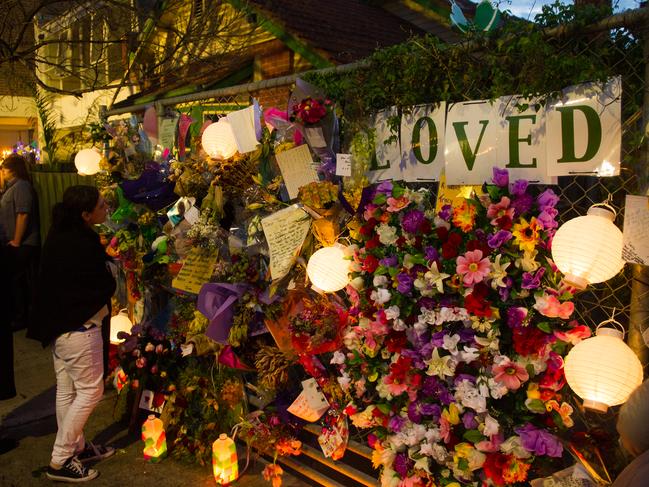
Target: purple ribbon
x=215, y=302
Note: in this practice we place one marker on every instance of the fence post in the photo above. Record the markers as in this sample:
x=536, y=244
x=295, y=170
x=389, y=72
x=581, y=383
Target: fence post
x=639, y=313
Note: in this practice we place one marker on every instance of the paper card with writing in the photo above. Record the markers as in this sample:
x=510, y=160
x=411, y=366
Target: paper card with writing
x=315, y=137
x=146, y=402
x=243, y=128
x=635, y=246
x=344, y=165
x=167, y=131
x=311, y=404
x=422, y=142
x=297, y=169
x=521, y=140
x=333, y=439
x=471, y=142
x=585, y=130
x=285, y=231
x=197, y=269
x=453, y=195
x=387, y=154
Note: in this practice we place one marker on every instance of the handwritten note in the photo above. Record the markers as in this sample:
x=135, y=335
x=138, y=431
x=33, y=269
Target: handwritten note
x=196, y=270
x=635, y=243
x=343, y=164
x=167, y=132
x=243, y=128
x=311, y=404
x=452, y=195
x=297, y=168
x=285, y=232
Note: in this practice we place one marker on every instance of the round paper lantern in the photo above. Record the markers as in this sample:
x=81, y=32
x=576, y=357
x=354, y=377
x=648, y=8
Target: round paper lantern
x=328, y=269
x=218, y=140
x=603, y=370
x=155, y=441
x=119, y=322
x=87, y=162
x=224, y=460
x=588, y=249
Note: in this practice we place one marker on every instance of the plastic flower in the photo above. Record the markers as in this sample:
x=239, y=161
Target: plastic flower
x=515, y=470
x=565, y=411
x=433, y=278
x=440, y=366
x=464, y=216
x=574, y=335
x=397, y=204
x=498, y=272
x=510, y=374
x=526, y=235
x=465, y=451
x=273, y=473
x=549, y=305
x=501, y=214
x=500, y=177
x=539, y=442
x=472, y=267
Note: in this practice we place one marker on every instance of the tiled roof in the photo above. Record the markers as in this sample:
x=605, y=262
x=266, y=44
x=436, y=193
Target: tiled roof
x=345, y=30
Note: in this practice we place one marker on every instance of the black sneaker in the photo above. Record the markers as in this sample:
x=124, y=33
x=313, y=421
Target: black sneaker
x=72, y=471
x=94, y=453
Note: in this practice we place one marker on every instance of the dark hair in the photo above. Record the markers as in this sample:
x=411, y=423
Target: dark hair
x=76, y=200
x=17, y=165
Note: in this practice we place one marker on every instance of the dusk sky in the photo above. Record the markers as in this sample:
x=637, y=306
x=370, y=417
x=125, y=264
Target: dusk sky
x=529, y=8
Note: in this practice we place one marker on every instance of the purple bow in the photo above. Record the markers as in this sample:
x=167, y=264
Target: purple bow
x=215, y=301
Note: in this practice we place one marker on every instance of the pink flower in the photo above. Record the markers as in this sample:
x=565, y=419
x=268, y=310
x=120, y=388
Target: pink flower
x=550, y=306
x=510, y=374
x=140, y=363
x=369, y=211
x=473, y=267
x=444, y=429
x=490, y=445
x=574, y=335
x=500, y=213
x=397, y=204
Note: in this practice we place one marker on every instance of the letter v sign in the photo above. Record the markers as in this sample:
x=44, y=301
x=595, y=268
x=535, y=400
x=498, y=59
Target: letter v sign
x=468, y=153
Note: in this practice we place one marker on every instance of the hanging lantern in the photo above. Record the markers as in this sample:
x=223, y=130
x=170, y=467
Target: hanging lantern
x=155, y=443
x=87, y=162
x=328, y=269
x=224, y=460
x=603, y=370
x=119, y=322
x=218, y=140
x=588, y=249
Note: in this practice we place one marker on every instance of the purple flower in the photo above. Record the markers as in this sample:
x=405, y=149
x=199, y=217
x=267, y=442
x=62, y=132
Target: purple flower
x=402, y=464
x=546, y=218
x=467, y=335
x=390, y=261
x=539, y=441
x=404, y=283
x=417, y=410
x=500, y=177
x=499, y=238
x=519, y=187
x=385, y=187
x=446, y=212
x=432, y=386
x=505, y=291
x=426, y=302
x=437, y=340
x=463, y=377
x=522, y=204
x=396, y=423
x=515, y=316
x=412, y=221
x=547, y=199
x=532, y=281
x=469, y=421
x=431, y=253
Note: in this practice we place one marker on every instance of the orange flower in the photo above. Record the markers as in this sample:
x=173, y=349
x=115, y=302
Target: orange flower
x=464, y=216
x=515, y=471
x=273, y=473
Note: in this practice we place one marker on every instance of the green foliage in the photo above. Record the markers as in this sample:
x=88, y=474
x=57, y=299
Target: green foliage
x=45, y=112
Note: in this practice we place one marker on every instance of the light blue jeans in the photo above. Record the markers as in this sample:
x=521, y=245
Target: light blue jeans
x=79, y=368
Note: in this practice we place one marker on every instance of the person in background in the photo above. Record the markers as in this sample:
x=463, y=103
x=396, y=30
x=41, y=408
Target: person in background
x=19, y=233
x=72, y=306
x=633, y=427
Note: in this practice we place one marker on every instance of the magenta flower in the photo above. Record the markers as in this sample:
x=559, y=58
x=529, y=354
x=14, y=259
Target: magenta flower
x=472, y=267
x=510, y=374
x=500, y=177
x=547, y=199
x=412, y=221
x=539, y=442
x=499, y=238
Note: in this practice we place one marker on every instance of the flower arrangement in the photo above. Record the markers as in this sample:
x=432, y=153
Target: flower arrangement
x=311, y=110
x=453, y=355
x=317, y=327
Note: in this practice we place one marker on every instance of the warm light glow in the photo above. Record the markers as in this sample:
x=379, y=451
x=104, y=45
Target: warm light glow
x=87, y=162
x=155, y=443
x=224, y=460
x=119, y=322
x=328, y=269
x=218, y=140
x=588, y=249
x=603, y=370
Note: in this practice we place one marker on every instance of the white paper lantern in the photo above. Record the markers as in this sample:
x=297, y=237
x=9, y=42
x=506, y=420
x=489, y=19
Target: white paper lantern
x=87, y=162
x=218, y=140
x=588, y=249
x=328, y=269
x=119, y=322
x=603, y=370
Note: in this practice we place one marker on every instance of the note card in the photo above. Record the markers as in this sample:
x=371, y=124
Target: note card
x=297, y=168
x=196, y=270
x=285, y=232
x=635, y=243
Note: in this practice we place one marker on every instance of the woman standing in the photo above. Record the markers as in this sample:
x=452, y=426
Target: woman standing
x=73, y=293
x=19, y=231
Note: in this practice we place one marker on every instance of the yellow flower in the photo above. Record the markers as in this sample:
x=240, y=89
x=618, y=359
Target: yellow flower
x=526, y=235
x=533, y=391
x=452, y=415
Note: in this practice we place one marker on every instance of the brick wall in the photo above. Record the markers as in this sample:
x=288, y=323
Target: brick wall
x=273, y=97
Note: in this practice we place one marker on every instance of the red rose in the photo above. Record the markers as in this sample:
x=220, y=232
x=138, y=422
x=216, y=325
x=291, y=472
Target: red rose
x=373, y=243
x=370, y=264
